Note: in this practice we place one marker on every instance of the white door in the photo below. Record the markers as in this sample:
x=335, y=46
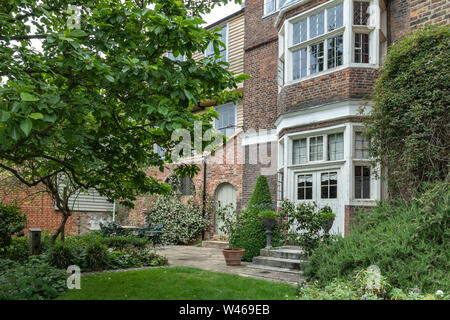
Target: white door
x=225, y=195
x=323, y=188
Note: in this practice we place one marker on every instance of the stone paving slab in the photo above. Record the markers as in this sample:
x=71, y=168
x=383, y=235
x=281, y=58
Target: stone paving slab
x=211, y=259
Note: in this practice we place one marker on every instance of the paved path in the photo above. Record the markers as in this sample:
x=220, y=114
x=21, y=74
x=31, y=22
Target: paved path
x=212, y=259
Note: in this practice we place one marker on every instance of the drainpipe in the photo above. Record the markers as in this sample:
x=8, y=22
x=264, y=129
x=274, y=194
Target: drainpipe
x=204, y=193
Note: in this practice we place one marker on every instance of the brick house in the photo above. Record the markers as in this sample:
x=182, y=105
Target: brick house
x=313, y=64
x=318, y=61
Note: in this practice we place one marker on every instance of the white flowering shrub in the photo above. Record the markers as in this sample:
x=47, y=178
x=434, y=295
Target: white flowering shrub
x=182, y=221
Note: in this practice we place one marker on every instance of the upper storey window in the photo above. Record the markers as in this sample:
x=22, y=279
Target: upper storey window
x=331, y=36
x=361, y=13
x=223, y=50
x=271, y=6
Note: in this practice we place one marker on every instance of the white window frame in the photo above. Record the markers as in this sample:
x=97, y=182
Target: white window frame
x=347, y=30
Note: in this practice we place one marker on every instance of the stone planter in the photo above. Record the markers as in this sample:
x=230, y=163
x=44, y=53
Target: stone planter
x=233, y=256
x=327, y=224
x=269, y=223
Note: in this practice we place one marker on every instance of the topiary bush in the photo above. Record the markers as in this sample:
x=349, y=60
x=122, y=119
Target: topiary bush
x=407, y=241
x=250, y=232
x=408, y=125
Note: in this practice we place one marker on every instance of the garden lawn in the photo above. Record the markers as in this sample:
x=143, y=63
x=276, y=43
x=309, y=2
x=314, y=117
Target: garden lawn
x=176, y=283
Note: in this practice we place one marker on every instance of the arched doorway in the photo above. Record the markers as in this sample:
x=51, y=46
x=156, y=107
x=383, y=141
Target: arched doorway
x=225, y=195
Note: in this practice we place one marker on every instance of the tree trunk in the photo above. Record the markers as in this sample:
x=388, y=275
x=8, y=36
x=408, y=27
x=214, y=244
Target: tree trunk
x=61, y=228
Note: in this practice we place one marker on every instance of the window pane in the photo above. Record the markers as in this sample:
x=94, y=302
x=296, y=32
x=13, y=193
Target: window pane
x=335, y=17
x=299, y=33
x=316, y=148
x=362, y=182
x=269, y=6
x=335, y=51
x=316, y=25
x=361, y=48
x=304, y=187
x=316, y=58
x=226, y=124
x=299, y=152
x=296, y=65
x=360, y=13
x=361, y=146
x=336, y=146
x=333, y=192
x=324, y=193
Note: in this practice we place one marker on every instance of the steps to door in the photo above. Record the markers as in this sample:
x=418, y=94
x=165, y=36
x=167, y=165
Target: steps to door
x=288, y=259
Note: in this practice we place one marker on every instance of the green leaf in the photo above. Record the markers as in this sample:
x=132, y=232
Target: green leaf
x=15, y=133
x=25, y=96
x=26, y=126
x=109, y=78
x=36, y=116
x=4, y=115
x=78, y=33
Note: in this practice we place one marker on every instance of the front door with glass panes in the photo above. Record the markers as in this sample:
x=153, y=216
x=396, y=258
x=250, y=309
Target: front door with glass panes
x=321, y=187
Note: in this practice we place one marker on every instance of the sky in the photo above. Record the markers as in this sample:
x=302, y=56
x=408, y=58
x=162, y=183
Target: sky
x=221, y=12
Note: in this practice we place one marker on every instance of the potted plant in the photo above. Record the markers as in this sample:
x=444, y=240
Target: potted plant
x=230, y=220
x=269, y=219
x=327, y=218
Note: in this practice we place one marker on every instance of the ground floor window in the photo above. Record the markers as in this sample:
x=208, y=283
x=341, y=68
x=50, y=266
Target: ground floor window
x=304, y=187
x=362, y=182
x=328, y=184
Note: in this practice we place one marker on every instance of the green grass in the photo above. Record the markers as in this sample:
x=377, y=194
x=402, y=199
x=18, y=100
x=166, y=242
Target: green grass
x=176, y=283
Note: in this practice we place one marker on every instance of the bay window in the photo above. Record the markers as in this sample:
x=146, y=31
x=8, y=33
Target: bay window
x=332, y=35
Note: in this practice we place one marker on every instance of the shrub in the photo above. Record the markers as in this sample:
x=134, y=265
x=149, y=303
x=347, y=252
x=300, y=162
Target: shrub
x=407, y=242
x=64, y=254
x=250, y=232
x=363, y=285
x=12, y=222
x=120, y=242
x=408, y=125
x=182, y=222
x=306, y=224
x=34, y=280
x=94, y=256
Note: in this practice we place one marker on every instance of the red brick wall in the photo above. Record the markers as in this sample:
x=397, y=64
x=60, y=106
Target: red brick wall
x=337, y=86
x=38, y=207
x=407, y=15
x=260, y=62
x=229, y=170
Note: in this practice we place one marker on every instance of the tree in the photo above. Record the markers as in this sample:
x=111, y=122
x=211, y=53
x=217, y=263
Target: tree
x=408, y=126
x=87, y=110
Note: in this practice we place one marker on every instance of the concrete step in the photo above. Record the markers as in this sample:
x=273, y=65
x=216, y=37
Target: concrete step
x=280, y=262
x=283, y=252
x=215, y=244
x=275, y=269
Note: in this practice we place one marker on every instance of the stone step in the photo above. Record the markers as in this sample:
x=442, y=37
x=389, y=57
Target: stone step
x=280, y=262
x=275, y=269
x=215, y=244
x=283, y=252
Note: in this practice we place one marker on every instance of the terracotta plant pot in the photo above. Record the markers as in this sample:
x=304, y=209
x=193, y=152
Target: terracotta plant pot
x=233, y=256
